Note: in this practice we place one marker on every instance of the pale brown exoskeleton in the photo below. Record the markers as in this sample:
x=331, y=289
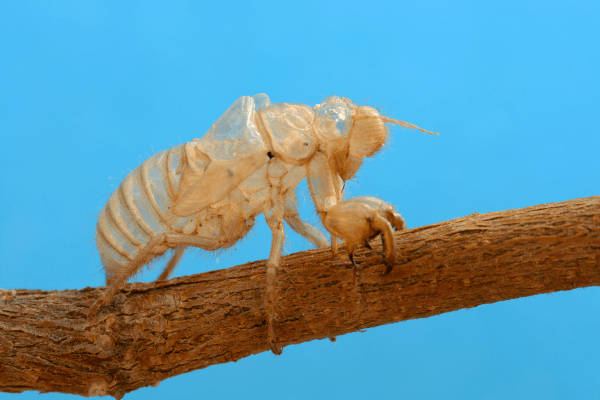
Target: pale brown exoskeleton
x=207, y=193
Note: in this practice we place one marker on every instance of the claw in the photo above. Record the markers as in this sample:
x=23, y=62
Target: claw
x=351, y=256
x=95, y=309
x=276, y=350
x=388, y=268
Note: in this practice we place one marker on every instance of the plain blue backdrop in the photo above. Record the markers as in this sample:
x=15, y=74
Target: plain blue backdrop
x=89, y=89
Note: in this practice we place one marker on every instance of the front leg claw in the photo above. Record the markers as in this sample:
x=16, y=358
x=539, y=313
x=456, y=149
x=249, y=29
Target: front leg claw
x=388, y=266
x=355, y=271
x=360, y=219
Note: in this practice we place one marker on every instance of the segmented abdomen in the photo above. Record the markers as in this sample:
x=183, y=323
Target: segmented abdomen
x=138, y=210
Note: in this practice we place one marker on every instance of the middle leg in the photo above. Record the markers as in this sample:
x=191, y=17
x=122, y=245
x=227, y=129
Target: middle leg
x=273, y=210
x=292, y=217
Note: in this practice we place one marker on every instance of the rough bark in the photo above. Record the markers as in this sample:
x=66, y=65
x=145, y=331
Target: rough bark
x=153, y=331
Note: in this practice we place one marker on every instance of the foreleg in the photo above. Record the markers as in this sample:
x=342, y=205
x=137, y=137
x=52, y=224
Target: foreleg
x=335, y=241
x=326, y=189
x=360, y=219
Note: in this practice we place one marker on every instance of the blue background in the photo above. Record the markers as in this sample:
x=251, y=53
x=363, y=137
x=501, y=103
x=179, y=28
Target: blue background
x=88, y=90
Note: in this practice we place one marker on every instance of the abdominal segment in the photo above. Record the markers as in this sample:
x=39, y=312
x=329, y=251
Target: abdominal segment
x=141, y=208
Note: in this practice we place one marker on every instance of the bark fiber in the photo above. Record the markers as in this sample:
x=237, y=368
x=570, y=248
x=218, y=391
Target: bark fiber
x=152, y=331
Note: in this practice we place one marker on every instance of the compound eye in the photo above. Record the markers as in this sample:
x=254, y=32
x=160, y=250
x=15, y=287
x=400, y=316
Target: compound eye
x=333, y=118
x=340, y=120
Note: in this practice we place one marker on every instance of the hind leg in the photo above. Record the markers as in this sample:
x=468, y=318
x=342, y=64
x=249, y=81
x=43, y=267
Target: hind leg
x=119, y=277
x=172, y=263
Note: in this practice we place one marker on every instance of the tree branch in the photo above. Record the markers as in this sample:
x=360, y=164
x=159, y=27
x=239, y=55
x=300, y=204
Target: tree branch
x=153, y=331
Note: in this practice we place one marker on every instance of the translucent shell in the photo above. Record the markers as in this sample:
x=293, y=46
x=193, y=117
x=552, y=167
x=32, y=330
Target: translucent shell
x=333, y=119
x=290, y=129
x=234, y=135
x=235, y=148
x=261, y=101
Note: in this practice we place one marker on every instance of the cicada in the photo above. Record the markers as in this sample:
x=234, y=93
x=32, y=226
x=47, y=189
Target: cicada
x=208, y=192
